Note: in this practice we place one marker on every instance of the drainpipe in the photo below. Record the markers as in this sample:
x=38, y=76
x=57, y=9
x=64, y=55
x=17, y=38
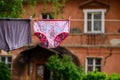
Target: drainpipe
x=110, y=54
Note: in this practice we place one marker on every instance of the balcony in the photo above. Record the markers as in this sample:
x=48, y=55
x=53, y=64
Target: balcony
x=93, y=40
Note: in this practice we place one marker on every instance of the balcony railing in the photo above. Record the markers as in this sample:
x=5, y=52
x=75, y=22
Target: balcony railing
x=92, y=40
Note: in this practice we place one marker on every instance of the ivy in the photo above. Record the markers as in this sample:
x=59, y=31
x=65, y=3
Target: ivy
x=56, y=5
x=13, y=8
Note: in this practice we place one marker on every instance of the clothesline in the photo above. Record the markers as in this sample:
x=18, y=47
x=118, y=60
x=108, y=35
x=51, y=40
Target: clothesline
x=58, y=19
x=115, y=20
x=61, y=19
x=95, y=19
x=16, y=19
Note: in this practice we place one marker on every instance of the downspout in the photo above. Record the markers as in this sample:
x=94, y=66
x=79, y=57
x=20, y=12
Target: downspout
x=110, y=54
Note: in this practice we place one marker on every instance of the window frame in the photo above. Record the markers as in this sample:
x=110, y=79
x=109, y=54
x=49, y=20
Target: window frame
x=6, y=60
x=94, y=63
x=86, y=11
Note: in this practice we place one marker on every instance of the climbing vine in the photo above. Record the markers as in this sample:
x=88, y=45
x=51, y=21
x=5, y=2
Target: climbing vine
x=14, y=8
x=11, y=8
x=56, y=6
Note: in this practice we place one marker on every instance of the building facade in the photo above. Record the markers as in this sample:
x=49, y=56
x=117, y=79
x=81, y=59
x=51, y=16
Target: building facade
x=94, y=34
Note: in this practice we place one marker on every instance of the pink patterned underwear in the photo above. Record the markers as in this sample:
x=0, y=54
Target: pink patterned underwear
x=51, y=32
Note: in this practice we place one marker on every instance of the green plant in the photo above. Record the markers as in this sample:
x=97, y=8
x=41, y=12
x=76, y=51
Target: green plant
x=4, y=72
x=114, y=76
x=32, y=5
x=14, y=8
x=64, y=68
x=95, y=75
x=56, y=5
x=11, y=8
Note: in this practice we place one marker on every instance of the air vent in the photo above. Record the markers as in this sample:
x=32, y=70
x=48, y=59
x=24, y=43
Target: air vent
x=75, y=30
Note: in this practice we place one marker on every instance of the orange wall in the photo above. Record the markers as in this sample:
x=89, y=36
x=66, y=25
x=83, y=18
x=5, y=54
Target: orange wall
x=109, y=65
x=72, y=10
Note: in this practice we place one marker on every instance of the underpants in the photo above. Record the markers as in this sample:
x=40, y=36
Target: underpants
x=51, y=32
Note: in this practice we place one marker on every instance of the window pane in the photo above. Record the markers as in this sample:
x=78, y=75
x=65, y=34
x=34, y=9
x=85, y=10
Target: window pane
x=3, y=59
x=98, y=61
x=90, y=68
x=9, y=59
x=51, y=16
x=9, y=66
x=47, y=16
x=40, y=71
x=90, y=61
x=97, y=25
x=89, y=16
x=97, y=15
x=89, y=26
x=44, y=16
x=98, y=68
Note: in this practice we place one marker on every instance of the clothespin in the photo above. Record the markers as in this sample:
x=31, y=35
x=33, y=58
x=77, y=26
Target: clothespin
x=69, y=18
x=31, y=18
x=36, y=19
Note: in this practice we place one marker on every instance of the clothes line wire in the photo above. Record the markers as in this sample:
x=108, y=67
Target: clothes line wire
x=96, y=20
x=109, y=20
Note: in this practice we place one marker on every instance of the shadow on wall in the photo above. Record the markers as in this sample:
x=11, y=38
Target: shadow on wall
x=18, y=69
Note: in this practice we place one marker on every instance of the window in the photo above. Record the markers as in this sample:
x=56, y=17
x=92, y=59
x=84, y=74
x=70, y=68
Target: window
x=7, y=60
x=94, y=20
x=92, y=64
x=47, y=16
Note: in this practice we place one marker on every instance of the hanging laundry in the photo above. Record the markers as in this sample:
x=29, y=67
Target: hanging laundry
x=14, y=33
x=51, y=32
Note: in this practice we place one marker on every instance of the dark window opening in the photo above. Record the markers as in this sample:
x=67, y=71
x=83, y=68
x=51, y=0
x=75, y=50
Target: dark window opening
x=47, y=16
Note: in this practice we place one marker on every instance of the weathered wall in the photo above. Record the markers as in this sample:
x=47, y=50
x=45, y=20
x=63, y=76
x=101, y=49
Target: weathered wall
x=110, y=63
x=112, y=25
x=72, y=10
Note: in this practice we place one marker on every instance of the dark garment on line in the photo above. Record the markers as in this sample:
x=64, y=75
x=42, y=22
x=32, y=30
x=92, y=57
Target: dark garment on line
x=14, y=33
